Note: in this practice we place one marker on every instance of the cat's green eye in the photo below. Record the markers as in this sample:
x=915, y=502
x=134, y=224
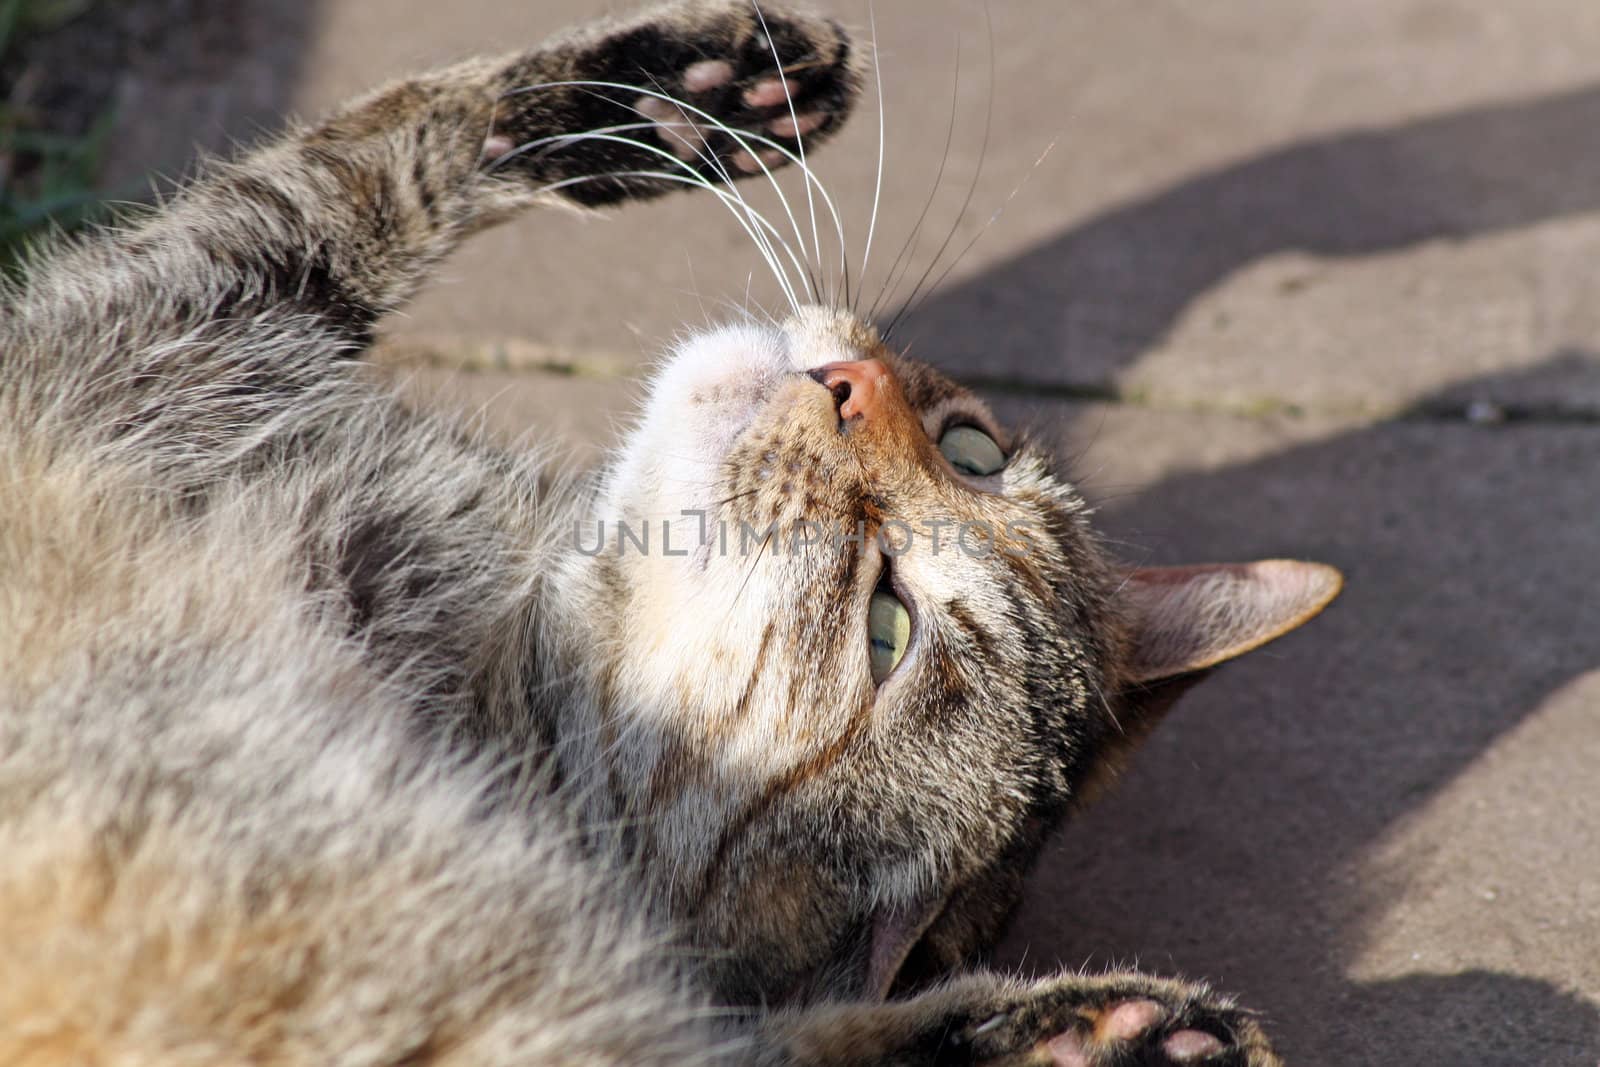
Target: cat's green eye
x=971, y=451
x=888, y=633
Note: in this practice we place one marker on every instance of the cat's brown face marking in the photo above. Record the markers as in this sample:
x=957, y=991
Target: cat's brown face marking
x=739, y=671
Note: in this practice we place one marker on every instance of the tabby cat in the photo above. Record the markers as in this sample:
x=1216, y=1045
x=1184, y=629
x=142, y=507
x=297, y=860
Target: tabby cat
x=331, y=734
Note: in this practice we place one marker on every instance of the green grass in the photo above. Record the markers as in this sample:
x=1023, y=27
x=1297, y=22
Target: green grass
x=47, y=178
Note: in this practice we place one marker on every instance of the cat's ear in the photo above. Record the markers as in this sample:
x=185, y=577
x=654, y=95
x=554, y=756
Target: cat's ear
x=1185, y=619
x=895, y=930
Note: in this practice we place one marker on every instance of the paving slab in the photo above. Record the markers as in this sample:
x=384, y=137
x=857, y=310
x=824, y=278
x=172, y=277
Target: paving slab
x=174, y=78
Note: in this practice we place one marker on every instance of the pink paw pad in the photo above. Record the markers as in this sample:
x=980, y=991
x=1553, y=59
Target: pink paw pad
x=495, y=146
x=653, y=107
x=1129, y=1019
x=1068, y=1050
x=795, y=125
x=752, y=164
x=769, y=92
x=706, y=75
x=673, y=125
x=1123, y=1022
x=1187, y=1046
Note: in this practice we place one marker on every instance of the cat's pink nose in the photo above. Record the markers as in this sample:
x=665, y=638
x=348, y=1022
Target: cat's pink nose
x=860, y=387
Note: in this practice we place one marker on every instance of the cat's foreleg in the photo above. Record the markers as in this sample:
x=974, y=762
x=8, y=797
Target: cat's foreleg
x=337, y=224
x=214, y=328
x=1072, y=1020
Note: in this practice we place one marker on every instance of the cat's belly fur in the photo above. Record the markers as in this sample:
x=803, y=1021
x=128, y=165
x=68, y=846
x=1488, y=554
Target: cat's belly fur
x=207, y=789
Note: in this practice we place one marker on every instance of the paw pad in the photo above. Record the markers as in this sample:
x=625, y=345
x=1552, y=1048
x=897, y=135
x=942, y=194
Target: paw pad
x=770, y=92
x=1187, y=1046
x=706, y=75
x=1132, y=1032
x=772, y=106
x=725, y=90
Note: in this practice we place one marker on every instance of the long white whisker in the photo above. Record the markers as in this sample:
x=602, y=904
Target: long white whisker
x=911, y=309
x=762, y=244
x=697, y=179
x=744, y=138
x=700, y=183
x=983, y=154
x=708, y=156
x=562, y=139
x=682, y=106
x=877, y=191
x=892, y=282
x=800, y=141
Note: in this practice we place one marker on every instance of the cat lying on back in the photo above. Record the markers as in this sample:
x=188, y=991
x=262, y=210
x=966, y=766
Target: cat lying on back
x=324, y=741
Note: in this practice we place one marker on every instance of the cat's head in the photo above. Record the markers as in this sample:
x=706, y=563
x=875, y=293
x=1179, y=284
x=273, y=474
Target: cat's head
x=857, y=647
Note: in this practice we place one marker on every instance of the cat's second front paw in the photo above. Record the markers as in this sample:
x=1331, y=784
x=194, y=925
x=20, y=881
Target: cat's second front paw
x=1127, y=1020
x=696, y=92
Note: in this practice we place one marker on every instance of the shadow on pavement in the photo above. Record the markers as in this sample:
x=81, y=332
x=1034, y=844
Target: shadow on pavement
x=172, y=75
x=1085, y=304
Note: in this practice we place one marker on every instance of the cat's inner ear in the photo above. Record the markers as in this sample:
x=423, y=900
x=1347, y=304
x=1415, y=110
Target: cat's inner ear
x=895, y=930
x=1185, y=619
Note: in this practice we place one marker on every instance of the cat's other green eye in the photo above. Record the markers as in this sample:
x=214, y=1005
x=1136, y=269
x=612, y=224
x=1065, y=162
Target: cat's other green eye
x=888, y=634
x=971, y=451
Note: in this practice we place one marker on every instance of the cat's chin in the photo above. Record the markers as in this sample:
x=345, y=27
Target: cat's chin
x=708, y=392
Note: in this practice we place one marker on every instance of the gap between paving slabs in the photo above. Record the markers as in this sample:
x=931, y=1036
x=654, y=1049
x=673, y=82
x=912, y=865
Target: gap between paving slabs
x=518, y=356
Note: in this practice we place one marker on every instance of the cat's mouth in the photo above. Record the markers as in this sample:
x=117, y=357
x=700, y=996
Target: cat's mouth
x=721, y=381
x=713, y=389
x=738, y=432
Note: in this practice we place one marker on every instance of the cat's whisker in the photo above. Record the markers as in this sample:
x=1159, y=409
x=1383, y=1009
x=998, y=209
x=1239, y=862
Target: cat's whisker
x=762, y=243
x=892, y=281
x=993, y=218
x=750, y=573
x=977, y=174
x=699, y=182
x=743, y=138
x=877, y=190
x=799, y=139
x=709, y=156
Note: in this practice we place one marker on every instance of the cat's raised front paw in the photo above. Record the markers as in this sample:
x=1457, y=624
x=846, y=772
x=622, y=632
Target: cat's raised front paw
x=780, y=81
x=695, y=91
